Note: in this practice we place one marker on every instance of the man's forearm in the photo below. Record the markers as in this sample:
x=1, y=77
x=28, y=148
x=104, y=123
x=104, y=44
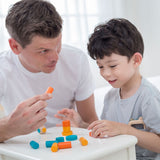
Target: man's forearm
x=3, y=129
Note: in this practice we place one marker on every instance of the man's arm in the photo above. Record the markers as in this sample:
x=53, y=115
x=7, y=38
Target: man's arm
x=86, y=109
x=86, y=113
x=26, y=118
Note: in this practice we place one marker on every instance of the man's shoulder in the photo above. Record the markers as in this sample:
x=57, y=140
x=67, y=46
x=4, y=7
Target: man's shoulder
x=6, y=60
x=5, y=55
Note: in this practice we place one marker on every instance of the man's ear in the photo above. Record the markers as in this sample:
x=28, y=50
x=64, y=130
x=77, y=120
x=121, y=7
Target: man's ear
x=15, y=46
x=137, y=58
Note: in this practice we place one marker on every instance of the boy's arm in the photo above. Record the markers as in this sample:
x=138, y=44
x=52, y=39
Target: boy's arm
x=147, y=140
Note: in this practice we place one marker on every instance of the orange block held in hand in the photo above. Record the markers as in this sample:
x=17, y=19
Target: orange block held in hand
x=50, y=90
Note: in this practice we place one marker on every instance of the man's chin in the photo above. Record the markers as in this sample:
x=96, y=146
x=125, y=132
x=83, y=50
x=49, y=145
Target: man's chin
x=48, y=70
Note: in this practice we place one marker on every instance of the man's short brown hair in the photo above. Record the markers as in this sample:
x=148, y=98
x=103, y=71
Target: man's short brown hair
x=28, y=18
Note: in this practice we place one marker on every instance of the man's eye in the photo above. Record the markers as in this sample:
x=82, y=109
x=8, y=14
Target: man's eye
x=44, y=51
x=113, y=66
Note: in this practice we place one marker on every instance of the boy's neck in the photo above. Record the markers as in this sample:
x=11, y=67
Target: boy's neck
x=131, y=87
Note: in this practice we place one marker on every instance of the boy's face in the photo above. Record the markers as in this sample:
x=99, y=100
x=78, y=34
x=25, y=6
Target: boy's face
x=41, y=55
x=116, y=69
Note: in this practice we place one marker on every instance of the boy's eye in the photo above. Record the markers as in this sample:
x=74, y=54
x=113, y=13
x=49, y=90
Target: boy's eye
x=100, y=67
x=113, y=66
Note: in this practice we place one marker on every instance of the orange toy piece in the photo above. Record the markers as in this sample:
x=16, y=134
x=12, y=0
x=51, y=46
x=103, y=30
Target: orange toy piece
x=54, y=147
x=83, y=141
x=66, y=128
x=63, y=145
x=50, y=90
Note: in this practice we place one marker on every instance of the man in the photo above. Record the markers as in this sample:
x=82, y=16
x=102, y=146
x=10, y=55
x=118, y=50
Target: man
x=38, y=60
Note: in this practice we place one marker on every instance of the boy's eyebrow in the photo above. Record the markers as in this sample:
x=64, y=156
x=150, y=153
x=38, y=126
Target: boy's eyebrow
x=107, y=61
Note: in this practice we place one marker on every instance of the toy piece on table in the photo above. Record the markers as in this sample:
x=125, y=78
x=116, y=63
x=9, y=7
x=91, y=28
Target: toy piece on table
x=50, y=143
x=42, y=130
x=71, y=138
x=49, y=90
x=54, y=147
x=61, y=145
x=60, y=139
x=138, y=124
x=83, y=141
x=34, y=144
x=66, y=128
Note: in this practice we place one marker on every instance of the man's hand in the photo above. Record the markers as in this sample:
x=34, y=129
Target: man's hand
x=72, y=115
x=27, y=117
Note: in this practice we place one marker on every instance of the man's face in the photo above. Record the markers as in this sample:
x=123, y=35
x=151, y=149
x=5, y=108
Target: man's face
x=41, y=55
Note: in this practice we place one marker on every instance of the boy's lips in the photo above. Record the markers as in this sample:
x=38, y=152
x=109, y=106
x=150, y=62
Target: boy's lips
x=112, y=81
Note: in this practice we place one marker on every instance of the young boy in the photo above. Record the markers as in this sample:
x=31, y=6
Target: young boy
x=117, y=46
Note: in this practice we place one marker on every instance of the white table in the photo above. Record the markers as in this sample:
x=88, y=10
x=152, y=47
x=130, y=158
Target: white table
x=114, y=148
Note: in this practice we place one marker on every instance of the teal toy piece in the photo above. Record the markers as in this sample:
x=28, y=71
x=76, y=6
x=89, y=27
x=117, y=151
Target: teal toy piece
x=34, y=144
x=60, y=139
x=71, y=138
x=49, y=143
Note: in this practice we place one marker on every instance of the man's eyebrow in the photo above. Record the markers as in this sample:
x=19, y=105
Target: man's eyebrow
x=41, y=48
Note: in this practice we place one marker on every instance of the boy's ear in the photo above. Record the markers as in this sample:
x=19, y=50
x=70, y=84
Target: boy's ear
x=15, y=46
x=137, y=58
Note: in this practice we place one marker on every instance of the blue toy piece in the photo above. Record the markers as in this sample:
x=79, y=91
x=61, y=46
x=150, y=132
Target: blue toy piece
x=38, y=130
x=71, y=138
x=60, y=139
x=34, y=144
x=49, y=143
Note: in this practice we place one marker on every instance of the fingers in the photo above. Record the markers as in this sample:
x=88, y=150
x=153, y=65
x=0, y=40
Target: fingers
x=93, y=124
x=59, y=117
x=64, y=114
x=98, y=128
x=31, y=101
x=37, y=117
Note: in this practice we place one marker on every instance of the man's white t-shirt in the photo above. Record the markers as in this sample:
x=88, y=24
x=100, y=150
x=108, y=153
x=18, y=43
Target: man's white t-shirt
x=72, y=81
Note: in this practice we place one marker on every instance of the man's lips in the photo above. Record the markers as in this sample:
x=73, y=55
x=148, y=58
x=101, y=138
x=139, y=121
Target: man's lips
x=51, y=65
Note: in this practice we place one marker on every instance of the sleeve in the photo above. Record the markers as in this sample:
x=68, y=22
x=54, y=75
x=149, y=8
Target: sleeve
x=151, y=113
x=86, y=84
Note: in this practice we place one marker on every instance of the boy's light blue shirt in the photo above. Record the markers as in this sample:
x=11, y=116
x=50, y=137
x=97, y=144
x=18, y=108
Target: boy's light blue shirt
x=144, y=103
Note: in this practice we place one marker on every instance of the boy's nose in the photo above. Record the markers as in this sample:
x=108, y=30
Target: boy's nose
x=106, y=74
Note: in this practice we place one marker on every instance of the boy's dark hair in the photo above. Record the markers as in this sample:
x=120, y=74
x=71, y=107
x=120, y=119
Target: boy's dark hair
x=28, y=18
x=116, y=36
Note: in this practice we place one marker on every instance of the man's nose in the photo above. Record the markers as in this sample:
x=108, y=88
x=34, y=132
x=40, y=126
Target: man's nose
x=53, y=56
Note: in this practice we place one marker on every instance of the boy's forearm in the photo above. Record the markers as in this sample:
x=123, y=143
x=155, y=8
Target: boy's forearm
x=147, y=140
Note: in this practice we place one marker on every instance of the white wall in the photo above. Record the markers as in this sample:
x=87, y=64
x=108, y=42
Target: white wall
x=145, y=14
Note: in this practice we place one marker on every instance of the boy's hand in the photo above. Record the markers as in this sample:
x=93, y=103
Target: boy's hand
x=69, y=114
x=103, y=128
x=27, y=117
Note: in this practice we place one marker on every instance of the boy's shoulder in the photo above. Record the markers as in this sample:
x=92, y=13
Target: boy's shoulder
x=147, y=88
